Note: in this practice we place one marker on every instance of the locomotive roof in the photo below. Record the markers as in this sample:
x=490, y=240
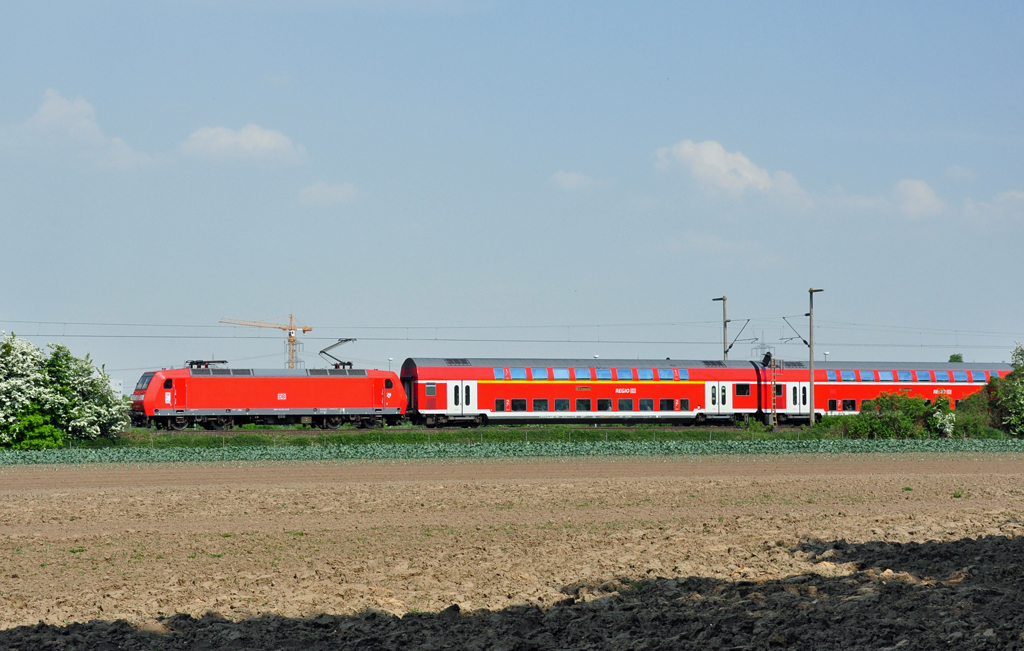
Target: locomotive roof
x=690, y=364
x=277, y=372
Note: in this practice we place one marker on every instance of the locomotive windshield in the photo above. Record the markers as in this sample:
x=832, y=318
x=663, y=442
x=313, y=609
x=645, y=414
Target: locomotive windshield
x=144, y=381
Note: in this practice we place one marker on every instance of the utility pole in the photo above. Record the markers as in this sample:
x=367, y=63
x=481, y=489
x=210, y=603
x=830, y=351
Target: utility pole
x=725, y=331
x=811, y=292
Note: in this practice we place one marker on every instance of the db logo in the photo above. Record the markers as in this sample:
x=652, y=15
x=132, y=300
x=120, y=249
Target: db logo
x=282, y=396
x=389, y=395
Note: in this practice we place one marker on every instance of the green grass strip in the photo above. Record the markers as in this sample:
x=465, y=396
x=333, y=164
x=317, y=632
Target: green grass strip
x=374, y=451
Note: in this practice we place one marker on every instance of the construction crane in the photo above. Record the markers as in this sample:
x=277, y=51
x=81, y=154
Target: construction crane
x=291, y=328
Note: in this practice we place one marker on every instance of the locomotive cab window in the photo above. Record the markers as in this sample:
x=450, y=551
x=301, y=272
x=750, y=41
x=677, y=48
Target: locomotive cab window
x=144, y=381
x=742, y=389
x=168, y=383
x=388, y=384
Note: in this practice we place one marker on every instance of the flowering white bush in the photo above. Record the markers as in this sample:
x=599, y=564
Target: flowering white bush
x=56, y=394
x=943, y=423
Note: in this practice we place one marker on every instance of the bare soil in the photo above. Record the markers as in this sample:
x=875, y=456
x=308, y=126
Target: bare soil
x=857, y=551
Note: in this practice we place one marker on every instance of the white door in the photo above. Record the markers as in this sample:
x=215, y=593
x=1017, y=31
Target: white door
x=717, y=398
x=797, y=398
x=462, y=398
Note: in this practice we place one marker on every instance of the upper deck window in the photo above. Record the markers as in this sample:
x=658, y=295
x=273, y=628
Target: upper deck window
x=831, y=375
x=867, y=376
x=603, y=373
x=904, y=376
x=645, y=374
x=959, y=376
x=848, y=376
x=664, y=374
x=517, y=374
x=942, y=376
x=993, y=374
x=539, y=374
x=624, y=373
x=924, y=376
x=977, y=376
x=582, y=373
x=560, y=374
x=499, y=373
x=684, y=374
x=885, y=376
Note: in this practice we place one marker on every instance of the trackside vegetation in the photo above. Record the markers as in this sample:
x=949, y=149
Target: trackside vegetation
x=50, y=400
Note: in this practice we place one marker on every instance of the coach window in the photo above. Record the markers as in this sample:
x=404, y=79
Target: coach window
x=646, y=404
x=519, y=404
x=664, y=374
x=559, y=374
x=794, y=395
x=993, y=375
x=684, y=374
x=625, y=404
x=942, y=376
x=388, y=384
x=848, y=376
x=714, y=394
x=168, y=383
x=539, y=373
x=742, y=389
x=924, y=376
x=517, y=373
x=849, y=405
x=540, y=404
x=666, y=404
x=977, y=376
x=645, y=374
x=927, y=403
x=684, y=404
x=832, y=405
x=904, y=376
x=583, y=404
x=604, y=404
x=885, y=376
x=779, y=392
x=499, y=373
x=561, y=404
x=603, y=373
x=867, y=376
x=431, y=389
x=499, y=404
x=831, y=375
x=624, y=373
x=582, y=374
x=803, y=395
x=455, y=394
x=959, y=376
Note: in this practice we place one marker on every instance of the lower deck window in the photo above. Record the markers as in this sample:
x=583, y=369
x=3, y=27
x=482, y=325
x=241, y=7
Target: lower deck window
x=625, y=404
x=499, y=404
x=849, y=405
x=431, y=389
x=604, y=404
x=666, y=404
x=583, y=404
x=540, y=404
x=561, y=404
x=743, y=389
x=684, y=404
x=519, y=404
x=831, y=405
x=646, y=404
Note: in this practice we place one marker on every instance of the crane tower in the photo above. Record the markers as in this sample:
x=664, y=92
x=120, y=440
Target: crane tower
x=291, y=328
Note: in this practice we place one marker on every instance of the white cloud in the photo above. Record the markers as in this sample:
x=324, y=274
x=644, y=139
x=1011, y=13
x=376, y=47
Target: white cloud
x=958, y=173
x=916, y=199
x=251, y=141
x=323, y=194
x=1004, y=205
x=75, y=121
x=570, y=180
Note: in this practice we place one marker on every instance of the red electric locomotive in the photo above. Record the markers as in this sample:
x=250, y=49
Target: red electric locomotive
x=217, y=398
x=476, y=391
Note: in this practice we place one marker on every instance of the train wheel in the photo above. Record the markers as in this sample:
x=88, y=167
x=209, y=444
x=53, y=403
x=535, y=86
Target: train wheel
x=178, y=424
x=221, y=422
x=332, y=422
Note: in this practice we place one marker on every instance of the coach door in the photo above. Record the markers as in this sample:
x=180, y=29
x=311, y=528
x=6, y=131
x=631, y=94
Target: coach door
x=797, y=398
x=717, y=399
x=462, y=397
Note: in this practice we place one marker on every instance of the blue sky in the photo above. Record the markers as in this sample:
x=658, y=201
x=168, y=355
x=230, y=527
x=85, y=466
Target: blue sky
x=494, y=167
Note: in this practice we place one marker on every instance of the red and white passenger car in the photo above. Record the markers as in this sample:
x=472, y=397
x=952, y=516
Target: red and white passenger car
x=476, y=391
